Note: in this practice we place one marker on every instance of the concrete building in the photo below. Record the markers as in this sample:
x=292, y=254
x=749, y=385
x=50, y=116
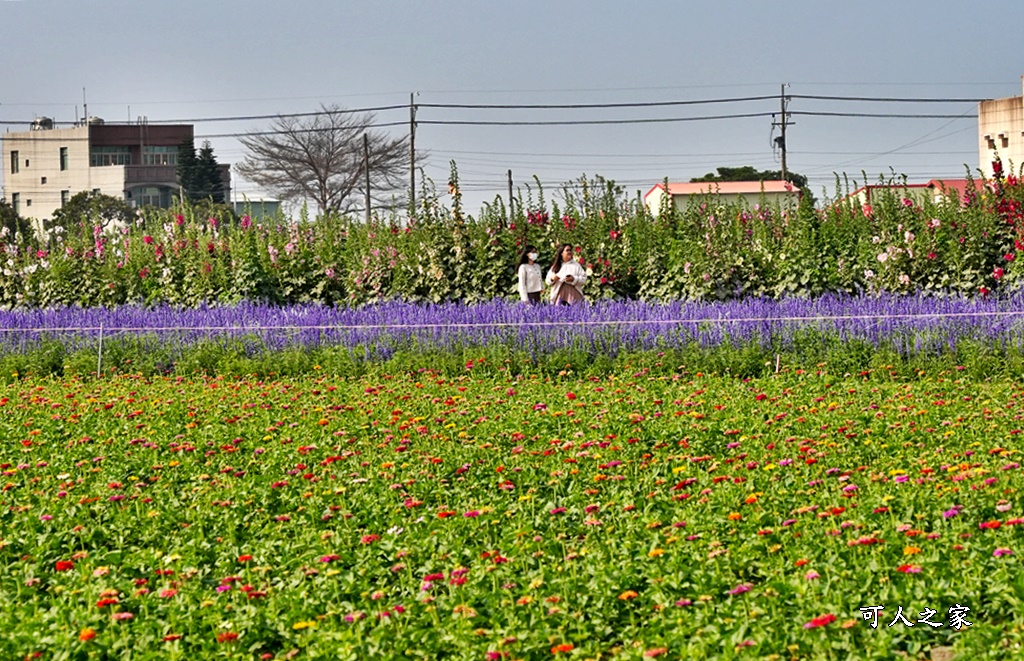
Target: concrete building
x=727, y=192
x=1001, y=130
x=45, y=166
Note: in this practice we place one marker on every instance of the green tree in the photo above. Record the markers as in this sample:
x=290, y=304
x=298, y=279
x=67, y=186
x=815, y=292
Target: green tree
x=188, y=164
x=199, y=174
x=12, y=224
x=89, y=208
x=750, y=173
x=208, y=184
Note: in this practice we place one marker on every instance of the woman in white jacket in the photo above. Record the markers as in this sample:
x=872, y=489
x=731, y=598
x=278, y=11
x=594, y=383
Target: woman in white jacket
x=531, y=278
x=566, y=278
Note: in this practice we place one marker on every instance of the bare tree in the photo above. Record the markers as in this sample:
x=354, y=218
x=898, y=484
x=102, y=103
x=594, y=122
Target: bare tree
x=320, y=158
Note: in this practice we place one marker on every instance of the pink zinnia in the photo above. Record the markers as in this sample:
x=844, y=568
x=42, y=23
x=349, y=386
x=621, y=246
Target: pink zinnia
x=998, y=553
x=741, y=588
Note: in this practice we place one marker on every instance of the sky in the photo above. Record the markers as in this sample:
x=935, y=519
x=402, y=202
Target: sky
x=210, y=60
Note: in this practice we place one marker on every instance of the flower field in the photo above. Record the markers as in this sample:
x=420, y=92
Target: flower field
x=481, y=516
x=748, y=336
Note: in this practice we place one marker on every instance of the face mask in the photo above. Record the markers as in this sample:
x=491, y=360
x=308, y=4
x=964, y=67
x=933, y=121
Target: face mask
x=533, y=256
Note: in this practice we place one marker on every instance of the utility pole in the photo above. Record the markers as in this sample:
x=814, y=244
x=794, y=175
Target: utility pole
x=412, y=155
x=366, y=165
x=510, y=197
x=780, y=142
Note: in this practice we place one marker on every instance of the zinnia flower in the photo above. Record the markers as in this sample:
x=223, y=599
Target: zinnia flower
x=820, y=621
x=741, y=588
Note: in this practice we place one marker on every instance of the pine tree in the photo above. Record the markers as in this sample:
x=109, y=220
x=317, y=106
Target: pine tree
x=208, y=181
x=187, y=168
x=199, y=174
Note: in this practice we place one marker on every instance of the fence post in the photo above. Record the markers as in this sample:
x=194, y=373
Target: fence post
x=99, y=355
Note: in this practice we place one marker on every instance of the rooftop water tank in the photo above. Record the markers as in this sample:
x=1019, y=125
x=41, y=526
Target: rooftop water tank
x=42, y=124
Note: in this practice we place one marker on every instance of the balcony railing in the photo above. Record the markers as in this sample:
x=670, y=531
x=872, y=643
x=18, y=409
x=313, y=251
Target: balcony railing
x=162, y=175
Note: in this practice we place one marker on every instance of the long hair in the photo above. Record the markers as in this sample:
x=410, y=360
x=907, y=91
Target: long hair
x=557, y=264
x=524, y=256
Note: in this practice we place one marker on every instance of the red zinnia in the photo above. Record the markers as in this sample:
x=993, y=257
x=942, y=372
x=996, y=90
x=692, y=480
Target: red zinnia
x=820, y=621
x=65, y=565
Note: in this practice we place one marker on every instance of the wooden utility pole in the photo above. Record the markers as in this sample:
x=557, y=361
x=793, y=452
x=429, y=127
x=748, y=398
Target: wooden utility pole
x=412, y=154
x=366, y=166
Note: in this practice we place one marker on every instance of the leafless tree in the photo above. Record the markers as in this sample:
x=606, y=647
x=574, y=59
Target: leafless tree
x=319, y=158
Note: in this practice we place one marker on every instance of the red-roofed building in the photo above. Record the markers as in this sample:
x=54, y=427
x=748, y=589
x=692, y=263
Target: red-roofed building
x=936, y=190
x=726, y=192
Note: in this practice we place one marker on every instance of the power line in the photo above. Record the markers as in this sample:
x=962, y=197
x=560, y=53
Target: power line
x=882, y=99
x=588, y=122
x=880, y=115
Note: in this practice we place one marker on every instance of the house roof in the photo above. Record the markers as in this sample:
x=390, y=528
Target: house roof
x=958, y=186
x=726, y=187
x=949, y=187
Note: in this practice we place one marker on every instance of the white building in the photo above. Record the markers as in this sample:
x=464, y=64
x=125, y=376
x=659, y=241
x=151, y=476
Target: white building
x=727, y=192
x=1001, y=131
x=45, y=166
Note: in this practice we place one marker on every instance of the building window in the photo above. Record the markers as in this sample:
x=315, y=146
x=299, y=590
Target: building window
x=16, y=202
x=28, y=203
x=149, y=196
x=65, y=197
x=42, y=180
x=14, y=162
x=102, y=156
x=63, y=158
x=154, y=155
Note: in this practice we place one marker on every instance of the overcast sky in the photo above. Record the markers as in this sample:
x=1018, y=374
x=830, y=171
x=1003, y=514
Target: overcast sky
x=198, y=60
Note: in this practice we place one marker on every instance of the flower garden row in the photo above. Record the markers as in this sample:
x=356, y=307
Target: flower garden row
x=420, y=516
x=710, y=250
x=851, y=334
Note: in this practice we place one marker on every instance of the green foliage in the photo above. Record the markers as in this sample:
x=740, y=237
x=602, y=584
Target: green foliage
x=467, y=515
x=750, y=173
x=12, y=226
x=87, y=210
x=99, y=251
x=199, y=174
